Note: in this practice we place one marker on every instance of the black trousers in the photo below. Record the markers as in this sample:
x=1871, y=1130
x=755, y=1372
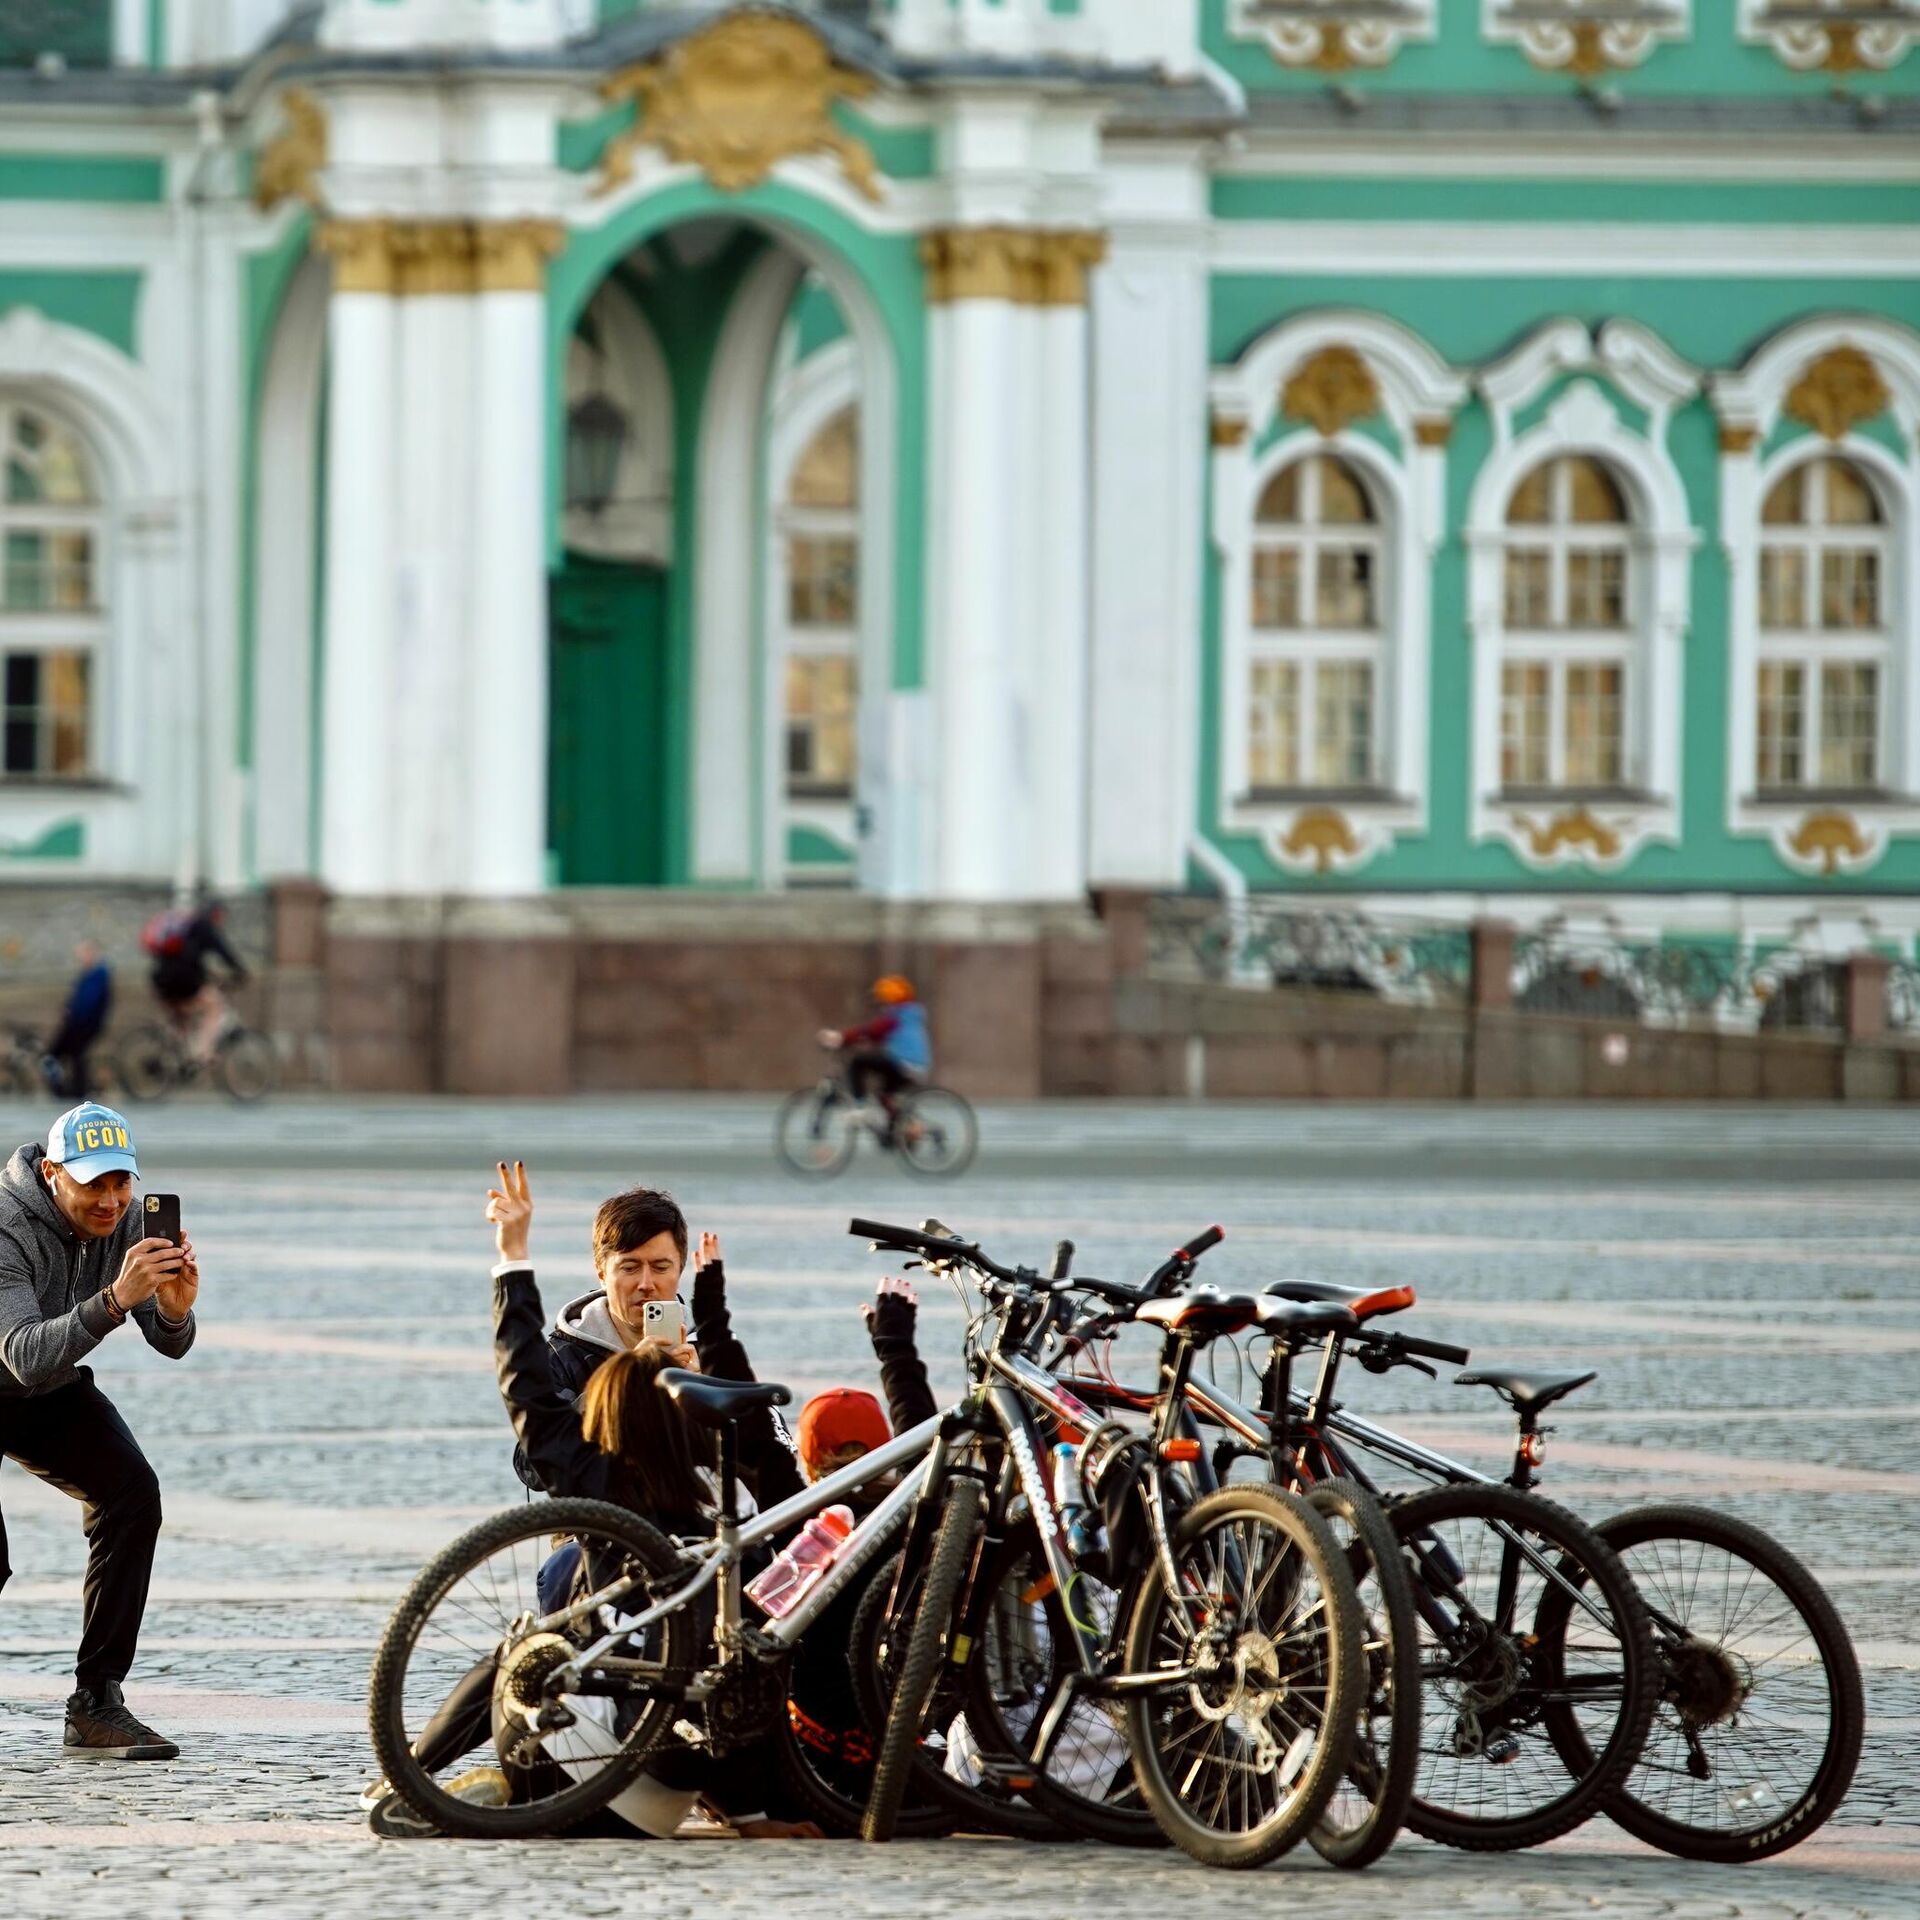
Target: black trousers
x=69, y=1049
x=871, y=1072
x=75, y=1440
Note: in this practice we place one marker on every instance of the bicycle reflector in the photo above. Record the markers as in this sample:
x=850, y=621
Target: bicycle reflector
x=1533, y=1448
x=1180, y=1451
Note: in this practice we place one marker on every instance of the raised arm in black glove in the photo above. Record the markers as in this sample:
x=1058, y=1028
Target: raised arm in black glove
x=766, y=1460
x=903, y=1374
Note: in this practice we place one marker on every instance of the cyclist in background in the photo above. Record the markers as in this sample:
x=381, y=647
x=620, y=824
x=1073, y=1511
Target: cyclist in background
x=181, y=943
x=890, y=1052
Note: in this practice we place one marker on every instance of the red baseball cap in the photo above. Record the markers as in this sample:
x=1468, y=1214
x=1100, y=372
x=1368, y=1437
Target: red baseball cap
x=840, y=1417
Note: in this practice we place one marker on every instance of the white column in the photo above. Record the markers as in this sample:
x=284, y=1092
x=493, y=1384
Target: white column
x=979, y=624
x=1057, y=733
x=1149, y=434
x=358, y=706
x=506, y=754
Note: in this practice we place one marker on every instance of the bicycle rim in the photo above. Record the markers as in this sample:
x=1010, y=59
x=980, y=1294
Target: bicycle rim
x=1239, y=1755
x=459, y=1662
x=936, y=1131
x=1758, y=1730
x=148, y=1064
x=1529, y=1626
x=813, y=1134
x=247, y=1065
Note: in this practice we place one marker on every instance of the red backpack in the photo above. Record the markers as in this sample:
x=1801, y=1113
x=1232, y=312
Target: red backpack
x=165, y=935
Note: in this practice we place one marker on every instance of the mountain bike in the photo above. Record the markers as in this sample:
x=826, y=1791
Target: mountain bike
x=1234, y=1651
x=570, y=1692
x=154, y=1061
x=1759, y=1713
x=933, y=1129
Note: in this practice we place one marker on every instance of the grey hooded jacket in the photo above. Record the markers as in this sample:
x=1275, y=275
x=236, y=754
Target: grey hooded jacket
x=53, y=1308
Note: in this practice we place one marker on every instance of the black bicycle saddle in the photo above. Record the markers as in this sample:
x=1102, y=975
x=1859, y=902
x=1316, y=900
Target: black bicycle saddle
x=1298, y=1321
x=714, y=1402
x=1525, y=1391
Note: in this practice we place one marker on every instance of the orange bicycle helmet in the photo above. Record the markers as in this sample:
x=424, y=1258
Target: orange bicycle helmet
x=891, y=989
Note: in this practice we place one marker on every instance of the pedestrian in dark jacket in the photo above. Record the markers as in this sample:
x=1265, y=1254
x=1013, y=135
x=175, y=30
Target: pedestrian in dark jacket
x=623, y=1439
x=82, y=1021
x=73, y=1267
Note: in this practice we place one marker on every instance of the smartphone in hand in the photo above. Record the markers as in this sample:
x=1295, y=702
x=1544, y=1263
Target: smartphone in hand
x=162, y=1217
x=664, y=1320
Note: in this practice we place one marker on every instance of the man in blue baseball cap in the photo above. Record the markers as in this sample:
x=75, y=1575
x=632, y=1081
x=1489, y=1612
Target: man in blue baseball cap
x=73, y=1267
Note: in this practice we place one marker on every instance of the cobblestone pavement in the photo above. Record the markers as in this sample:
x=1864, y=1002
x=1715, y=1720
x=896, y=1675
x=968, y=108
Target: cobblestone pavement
x=1747, y=1283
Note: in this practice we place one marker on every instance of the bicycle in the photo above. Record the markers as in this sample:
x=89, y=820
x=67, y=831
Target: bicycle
x=1759, y=1711
x=818, y=1127
x=1235, y=1651
x=155, y=1061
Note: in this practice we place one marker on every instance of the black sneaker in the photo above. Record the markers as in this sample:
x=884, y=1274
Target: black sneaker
x=100, y=1727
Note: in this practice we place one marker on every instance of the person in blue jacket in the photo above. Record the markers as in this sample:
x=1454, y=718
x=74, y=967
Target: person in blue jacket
x=890, y=1052
x=89, y=1001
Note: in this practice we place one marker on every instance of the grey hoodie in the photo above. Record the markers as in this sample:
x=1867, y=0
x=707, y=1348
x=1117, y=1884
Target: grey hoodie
x=53, y=1309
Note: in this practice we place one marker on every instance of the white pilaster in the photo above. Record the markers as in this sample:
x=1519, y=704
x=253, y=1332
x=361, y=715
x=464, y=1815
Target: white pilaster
x=359, y=722
x=506, y=752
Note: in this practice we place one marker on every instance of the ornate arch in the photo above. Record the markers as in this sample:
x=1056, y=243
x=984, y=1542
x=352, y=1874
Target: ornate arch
x=1583, y=419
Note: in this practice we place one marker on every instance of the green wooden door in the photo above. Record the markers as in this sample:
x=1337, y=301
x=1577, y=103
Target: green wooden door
x=606, y=792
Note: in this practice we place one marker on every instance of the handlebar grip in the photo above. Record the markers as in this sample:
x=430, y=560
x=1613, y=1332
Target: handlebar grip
x=1062, y=1263
x=905, y=1239
x=1433, y=1349
x=1202, y=1242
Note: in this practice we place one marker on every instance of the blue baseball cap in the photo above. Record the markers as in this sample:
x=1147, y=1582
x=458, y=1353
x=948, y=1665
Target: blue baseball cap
x=89, y=1140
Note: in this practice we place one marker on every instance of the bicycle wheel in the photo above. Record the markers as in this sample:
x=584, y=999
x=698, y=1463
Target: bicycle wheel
x=246, y=1065
x=1758, y=1728
x=936, y=1131
x=1023, y=1659
x=959, y=1768
x=1501, y=1656
x=459, y=1669
x=926, y=1653
x=1241, y=1748
x=815, y=1131
x=20, y=1068
x=1369, y=1806
x=149, y=1063
x=824, y=1749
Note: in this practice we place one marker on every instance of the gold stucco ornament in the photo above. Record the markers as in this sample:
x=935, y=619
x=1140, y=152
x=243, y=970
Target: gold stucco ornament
x=1831, y=837
x=289, y=164
x=1331, y=389
x=738, y=98
x=1841, y=388
x=1575, y=831
x=1322, y=835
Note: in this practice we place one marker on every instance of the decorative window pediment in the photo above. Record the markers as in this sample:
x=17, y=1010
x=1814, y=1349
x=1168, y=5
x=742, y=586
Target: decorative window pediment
x=1586, y=37
x=1332, y=35
x=1839, y=36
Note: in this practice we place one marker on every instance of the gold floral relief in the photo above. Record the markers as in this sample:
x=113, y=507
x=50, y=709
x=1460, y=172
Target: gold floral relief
x=1841, y=389
x=289, y=164
x=1331, y=389
x=1831, y=837
x=1322, y=835
x=736, y=99
x=1029, y=266
x=1575, y=831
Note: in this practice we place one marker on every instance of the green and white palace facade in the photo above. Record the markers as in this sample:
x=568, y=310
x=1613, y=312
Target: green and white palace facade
x=1448, y=456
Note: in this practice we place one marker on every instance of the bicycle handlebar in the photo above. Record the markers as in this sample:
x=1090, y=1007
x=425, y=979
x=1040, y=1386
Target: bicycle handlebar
x=932, y=1245
x=1062, y=1262
x=1397, y=1345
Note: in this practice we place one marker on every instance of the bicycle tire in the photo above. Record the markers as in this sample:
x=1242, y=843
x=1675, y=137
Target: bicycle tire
x=992, y=1686
x=386, y=1706
x=1318, y=1770
x=828, y=1769
x=1448, y=1689
x=1392, y=1685
x=148, y=1063
x=1783, y=1825
x=953, y=1547
x=972, y=1809
x=937, y=1132
x=246, y=1065
x=811, y=1106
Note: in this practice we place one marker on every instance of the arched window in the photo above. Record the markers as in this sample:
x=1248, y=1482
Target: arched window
x=1820, y=697
x=53, y=626
x=1568, y=630
x=820, y=528
x=1314, y=664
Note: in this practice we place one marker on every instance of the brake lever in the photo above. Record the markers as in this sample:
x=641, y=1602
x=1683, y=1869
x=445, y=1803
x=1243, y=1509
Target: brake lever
x=1408, y=1361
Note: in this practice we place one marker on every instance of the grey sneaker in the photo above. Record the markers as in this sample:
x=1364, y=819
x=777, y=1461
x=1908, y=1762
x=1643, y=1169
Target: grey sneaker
x=100, y=1726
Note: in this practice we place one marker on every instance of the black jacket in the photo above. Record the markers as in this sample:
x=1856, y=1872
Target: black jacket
x=903, y=1374
x=552, y=1454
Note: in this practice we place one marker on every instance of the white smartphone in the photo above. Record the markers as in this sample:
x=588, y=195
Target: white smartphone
x=663, y=1320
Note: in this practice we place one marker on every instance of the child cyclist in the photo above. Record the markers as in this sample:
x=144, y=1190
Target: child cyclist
x=890, y=1052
